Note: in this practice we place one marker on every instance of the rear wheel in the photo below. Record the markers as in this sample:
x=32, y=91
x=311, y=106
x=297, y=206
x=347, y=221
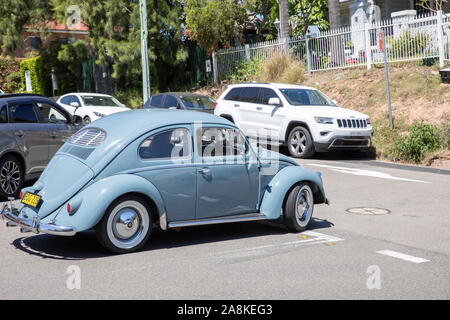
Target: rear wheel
x=299, y=207
x=126, y=225
x=300, y=144
x=11, y=177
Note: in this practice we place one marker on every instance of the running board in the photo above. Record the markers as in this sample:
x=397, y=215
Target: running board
x=228, y=219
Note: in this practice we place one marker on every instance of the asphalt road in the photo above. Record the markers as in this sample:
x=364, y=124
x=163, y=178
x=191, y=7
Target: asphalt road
x=401, y=250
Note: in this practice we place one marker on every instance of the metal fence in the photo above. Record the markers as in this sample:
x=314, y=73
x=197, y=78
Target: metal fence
x=422, y=37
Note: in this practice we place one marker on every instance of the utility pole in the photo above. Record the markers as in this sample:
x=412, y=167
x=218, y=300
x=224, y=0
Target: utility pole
x=144, y=52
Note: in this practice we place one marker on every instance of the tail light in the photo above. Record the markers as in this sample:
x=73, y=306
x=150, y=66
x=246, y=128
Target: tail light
x=68, y=208
x=21, y=195
x=215, y=104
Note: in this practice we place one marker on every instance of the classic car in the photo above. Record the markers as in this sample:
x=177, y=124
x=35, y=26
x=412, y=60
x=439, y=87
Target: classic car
x=132, y=171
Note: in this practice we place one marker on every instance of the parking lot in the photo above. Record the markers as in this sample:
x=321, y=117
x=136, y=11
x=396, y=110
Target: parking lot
x=384, y=236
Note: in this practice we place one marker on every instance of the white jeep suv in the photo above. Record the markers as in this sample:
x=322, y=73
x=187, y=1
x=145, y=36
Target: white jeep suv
x=301, y=118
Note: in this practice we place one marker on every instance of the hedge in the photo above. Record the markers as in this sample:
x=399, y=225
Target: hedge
x=34, y=65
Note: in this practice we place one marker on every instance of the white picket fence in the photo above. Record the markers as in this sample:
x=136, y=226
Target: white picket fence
x=423, y=37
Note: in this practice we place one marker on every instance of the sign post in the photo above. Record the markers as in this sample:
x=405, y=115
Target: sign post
x=383, y=48
x=144, y=52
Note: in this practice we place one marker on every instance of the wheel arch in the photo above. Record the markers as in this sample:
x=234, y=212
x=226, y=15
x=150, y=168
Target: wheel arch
x=291, y=125
x=228, y=117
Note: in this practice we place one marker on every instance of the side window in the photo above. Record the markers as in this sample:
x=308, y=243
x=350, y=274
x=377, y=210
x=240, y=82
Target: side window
x=266, y=94
x=220, y=142
x=75, y=99
x=170, y=144
x=250, y=94
x=233, y=94
x=51, y=114
x=66, y=100
x=23, y=113
x=170, y=102
x=156, y=100
x=3, y=114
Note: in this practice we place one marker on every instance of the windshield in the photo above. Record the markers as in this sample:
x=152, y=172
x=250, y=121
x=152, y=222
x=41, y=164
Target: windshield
x=101, y=101
x=307, y=97
x=197, y=102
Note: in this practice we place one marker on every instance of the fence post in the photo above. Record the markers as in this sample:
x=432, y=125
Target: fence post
x=440, y=37
x=308, y=55
x=368, y=45
x=215, y=71
x=247, y=51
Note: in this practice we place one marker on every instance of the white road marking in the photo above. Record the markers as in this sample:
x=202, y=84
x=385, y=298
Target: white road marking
x=316, y=238
x=361, y=172
x=402, y=256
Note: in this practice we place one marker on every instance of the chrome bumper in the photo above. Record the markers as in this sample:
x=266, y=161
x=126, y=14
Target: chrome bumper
x=34, y=225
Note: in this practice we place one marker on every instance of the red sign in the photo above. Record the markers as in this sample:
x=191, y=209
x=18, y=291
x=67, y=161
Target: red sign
x=380, y=39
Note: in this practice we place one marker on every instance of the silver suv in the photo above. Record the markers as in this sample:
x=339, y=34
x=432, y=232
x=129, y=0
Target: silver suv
x=32, y=128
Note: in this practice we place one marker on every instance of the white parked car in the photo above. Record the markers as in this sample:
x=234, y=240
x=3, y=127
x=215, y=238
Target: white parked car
x=301, y=118
x=91, y=106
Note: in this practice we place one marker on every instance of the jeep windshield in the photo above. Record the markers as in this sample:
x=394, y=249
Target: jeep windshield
x=307, y=97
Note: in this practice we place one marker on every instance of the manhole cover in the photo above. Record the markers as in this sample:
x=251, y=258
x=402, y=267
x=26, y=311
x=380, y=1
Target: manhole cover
x=368, y=211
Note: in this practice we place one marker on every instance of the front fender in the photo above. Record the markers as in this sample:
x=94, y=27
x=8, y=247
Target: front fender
x=90, y=204
x=282, y=182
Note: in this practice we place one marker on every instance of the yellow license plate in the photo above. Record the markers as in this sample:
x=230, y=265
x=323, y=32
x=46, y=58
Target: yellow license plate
x=31, y=199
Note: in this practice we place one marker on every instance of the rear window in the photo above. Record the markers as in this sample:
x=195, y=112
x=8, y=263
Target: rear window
x=250, y=95
x=233, y=94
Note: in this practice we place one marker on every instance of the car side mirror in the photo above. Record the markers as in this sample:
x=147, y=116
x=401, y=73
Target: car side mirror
x=275, y=102
x=75, y=104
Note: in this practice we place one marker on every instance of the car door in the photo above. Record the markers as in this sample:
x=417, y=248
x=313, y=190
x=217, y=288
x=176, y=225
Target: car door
x=227, y=178
x=31, y=136
x=246, y=108
x=57, y=123
x=268, y=118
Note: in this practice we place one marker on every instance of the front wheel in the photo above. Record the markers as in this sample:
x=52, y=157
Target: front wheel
x=126, y=225
x=300, y=143
x=11, y=177
x=299, y=207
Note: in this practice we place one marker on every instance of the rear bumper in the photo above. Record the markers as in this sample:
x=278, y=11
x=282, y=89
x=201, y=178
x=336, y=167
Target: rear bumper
x=34, y=225
x=344, y=143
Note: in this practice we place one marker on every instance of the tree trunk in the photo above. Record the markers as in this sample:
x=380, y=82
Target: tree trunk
x=284, y=19
x=334, y=14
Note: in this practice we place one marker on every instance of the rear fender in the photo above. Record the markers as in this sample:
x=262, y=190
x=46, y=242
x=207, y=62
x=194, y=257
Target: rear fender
x=281, y=184
x=90, y=204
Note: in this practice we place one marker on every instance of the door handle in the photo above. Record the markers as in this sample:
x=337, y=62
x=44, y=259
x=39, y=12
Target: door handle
x=236, y=105
x=19, y=134
x=204, y=170
x=259, y=108
x=53, y=135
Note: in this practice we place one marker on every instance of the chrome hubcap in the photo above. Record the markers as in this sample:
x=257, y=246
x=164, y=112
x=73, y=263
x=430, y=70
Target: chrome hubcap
x=298, y=142
x=128, y=224
x=10, y=177
x=304, y=206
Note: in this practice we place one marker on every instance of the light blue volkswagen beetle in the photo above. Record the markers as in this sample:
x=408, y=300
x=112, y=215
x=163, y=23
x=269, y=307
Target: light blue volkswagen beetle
x=132, y=171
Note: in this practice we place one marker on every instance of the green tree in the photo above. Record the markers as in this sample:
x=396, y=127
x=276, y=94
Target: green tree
x=214, y=23
x=308, y=12
x=15, y=15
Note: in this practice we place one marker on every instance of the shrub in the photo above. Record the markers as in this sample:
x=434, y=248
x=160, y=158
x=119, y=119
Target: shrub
x=410, y=44
x=13, y=82
x=34, y=65
x=421, y=139
x=245, y=70
x=283, y=68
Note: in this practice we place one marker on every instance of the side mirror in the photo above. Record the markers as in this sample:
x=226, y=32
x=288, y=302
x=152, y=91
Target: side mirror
x=75, y=104
x=77, y=120
x=275, y=102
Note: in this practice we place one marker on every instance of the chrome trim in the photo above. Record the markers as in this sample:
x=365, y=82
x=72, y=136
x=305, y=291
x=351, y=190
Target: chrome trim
x=36, y=226
x=349, y=146
x=237, y=218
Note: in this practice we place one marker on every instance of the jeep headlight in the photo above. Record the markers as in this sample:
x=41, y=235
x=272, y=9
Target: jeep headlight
x=368, y=121
x=324, y=120
x=98, y=114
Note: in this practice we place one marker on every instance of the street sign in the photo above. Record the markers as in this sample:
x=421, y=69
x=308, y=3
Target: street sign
x=208, y=66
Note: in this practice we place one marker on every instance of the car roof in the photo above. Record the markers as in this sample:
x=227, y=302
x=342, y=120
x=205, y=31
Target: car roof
x=182, y=94
x=271, y=85
x=21, y=95
x=87, y=94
